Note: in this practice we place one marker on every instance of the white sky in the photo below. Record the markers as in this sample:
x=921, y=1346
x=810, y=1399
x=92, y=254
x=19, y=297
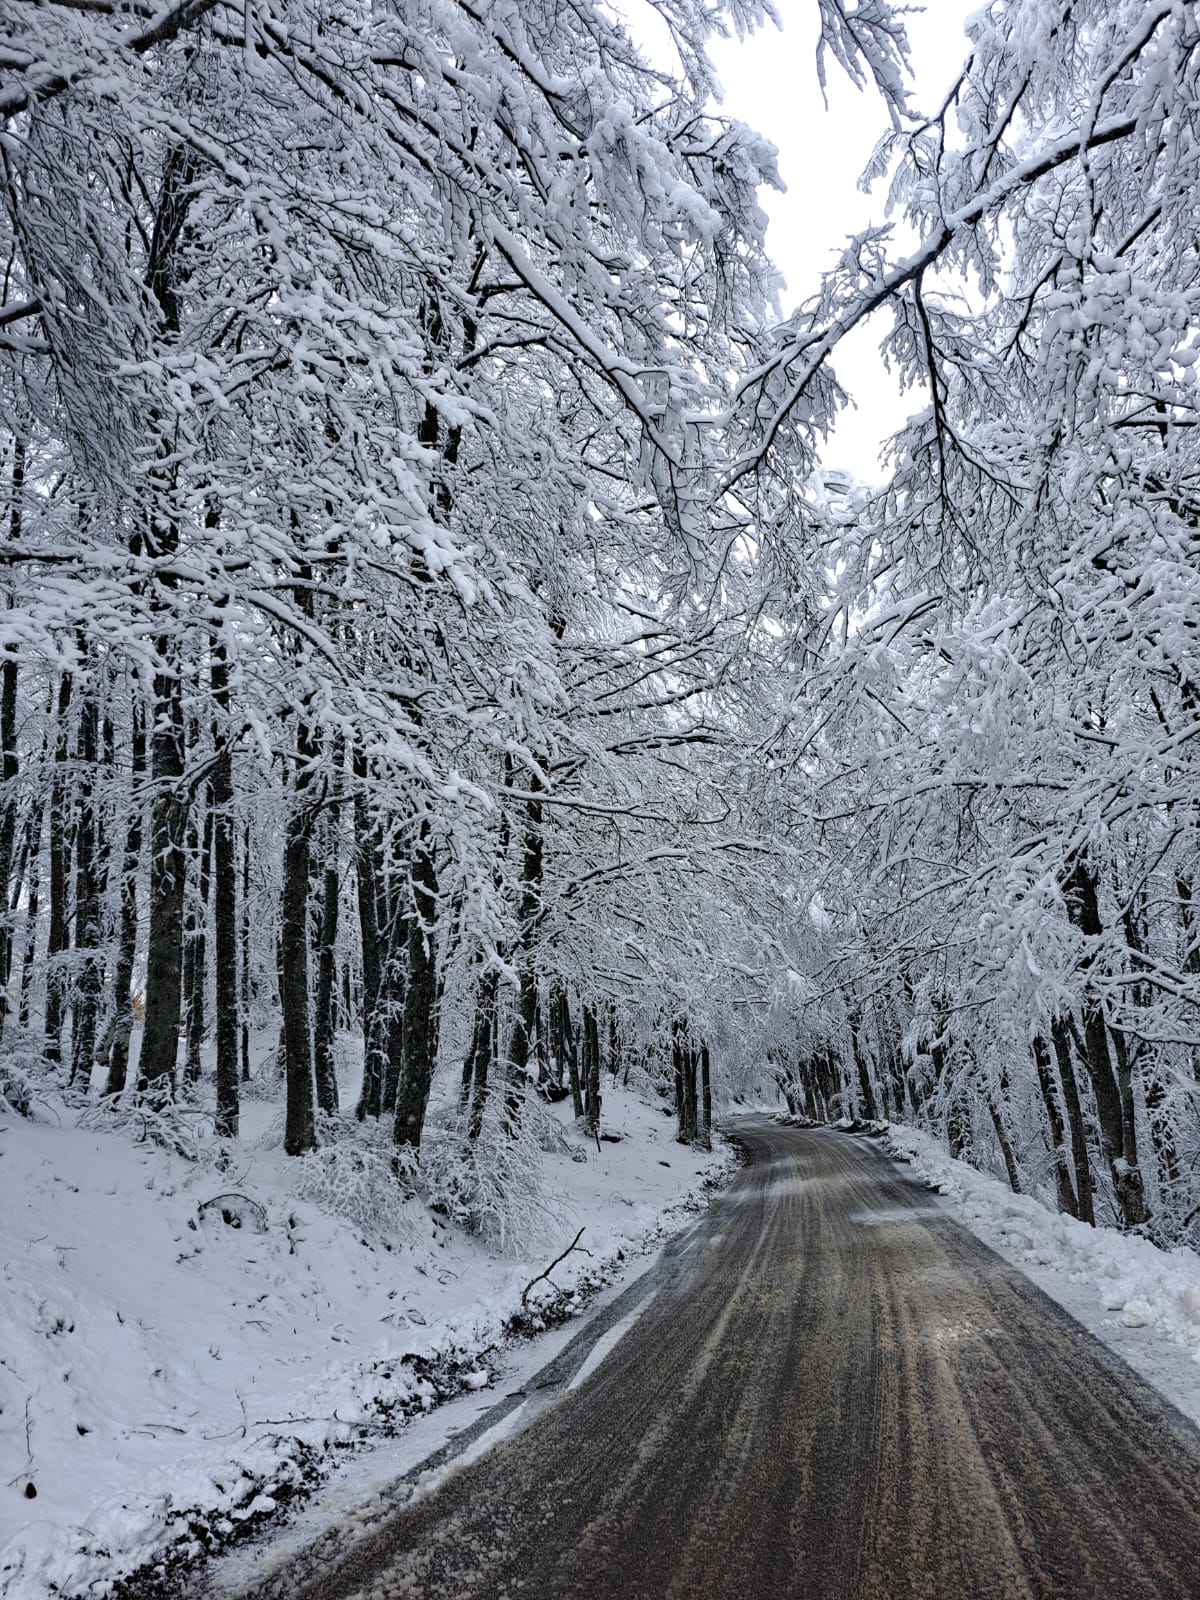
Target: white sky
x=770, y=83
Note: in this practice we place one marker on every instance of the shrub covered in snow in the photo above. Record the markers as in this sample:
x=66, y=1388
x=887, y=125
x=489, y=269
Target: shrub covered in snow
x=363, y=1178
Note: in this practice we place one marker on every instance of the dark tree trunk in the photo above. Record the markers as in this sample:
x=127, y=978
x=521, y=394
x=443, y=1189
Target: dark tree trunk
x=591, y=1076
x=225, y=926
x=529, y=914
x=558, y=1047
x=196, y=942
x=684, y=1059
x=9, y=761
x=483, y=1047
x=168, y=879
x=300, y=1123
x=170, y=804
x=1006, y=1150
x=570, y=1053
x=246, y=995
x=958, y=1122
x=367, y=881
x=33, y=897
x=420, y=1007
x=704, y=1124
x=866, y=1092
x=1113, y=1088
x=59, y=937
x=1162, y=1133
x=325, y=1023
x=1080, y=1157
x=1058, y=1133
x=88, y=989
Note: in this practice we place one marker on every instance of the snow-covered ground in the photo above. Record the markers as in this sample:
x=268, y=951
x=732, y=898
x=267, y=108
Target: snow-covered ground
x=166, y=1375
x=1143, y=1302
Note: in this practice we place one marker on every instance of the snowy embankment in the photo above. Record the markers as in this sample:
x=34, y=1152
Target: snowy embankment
x=173, y=1369
x=1142, y=1301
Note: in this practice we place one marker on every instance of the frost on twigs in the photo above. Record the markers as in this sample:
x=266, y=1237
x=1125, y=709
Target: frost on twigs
x=495, y=1186
x=185, y=1129
x=363, y=1178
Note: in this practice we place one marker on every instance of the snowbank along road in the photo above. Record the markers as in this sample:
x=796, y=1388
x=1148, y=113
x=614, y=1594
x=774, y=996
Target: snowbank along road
x=826, y=1389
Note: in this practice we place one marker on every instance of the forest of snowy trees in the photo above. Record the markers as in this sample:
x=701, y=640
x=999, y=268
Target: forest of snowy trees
x=428, y=626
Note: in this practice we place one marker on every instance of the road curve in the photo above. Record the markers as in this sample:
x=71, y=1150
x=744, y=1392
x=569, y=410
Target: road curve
x=835, y=1393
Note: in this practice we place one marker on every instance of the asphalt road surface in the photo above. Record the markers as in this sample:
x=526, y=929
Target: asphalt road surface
x=826, y=1389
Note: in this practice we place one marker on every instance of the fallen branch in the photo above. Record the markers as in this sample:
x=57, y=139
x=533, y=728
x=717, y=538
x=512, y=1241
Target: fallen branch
x=574, y=1245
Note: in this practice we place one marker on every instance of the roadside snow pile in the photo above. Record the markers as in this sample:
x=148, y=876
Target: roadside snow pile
x=186, y=1345
x=1145, y=1286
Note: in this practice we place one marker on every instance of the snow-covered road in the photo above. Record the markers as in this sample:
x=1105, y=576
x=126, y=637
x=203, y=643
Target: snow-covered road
x=836, y=1391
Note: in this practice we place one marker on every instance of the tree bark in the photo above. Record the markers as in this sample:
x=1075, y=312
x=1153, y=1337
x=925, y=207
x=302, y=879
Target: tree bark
x=58, y=937
x=9, y=760
x=367, y=882
x=325, y=1022
x=483, y=1047
x=704, y=1126
x=529, y=914
x=246, y=993
x=168, y=878
x=865, y=1090
x=1080, y=1157
x=225, y=924
x=1113, y=1088
x=591, y=1076
x=300, y=1121
x=33, y=897
x=1058, y=1133
x=420, y=1007
x=200, y=843
x=684, y=1062
x=88, y=988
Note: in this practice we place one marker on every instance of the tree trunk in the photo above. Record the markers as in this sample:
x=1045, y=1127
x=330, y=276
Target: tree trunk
x=170, y=805
x=88, y=989
x=570, y=1053
x=1058, y=1134
x=1005, y=1143
x=1080, y=1157
x=529, y=915
x=1113, y=1088
x=59, y=938
x=168, y=879
x=866, y=1092
x=325, y=1023
x=393, y=995
x=246, y=995
x=591, y=1076
x=684, y=1060
x=9, y=761
x=420, y=1007
x=366, y=879
x=483, y=1046
x=196, y=941
x=33, y=896
x=300, y=1123
x=704, y=1126
x=225, y=926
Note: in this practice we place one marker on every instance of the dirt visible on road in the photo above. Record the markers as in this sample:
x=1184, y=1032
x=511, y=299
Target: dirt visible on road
x=836, y=1393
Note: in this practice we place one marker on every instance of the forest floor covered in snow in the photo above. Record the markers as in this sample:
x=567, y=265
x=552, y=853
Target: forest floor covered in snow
x=191, y=1342
x=1140, y=1300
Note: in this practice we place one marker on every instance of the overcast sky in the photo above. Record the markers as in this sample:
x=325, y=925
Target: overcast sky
x=770, y=82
